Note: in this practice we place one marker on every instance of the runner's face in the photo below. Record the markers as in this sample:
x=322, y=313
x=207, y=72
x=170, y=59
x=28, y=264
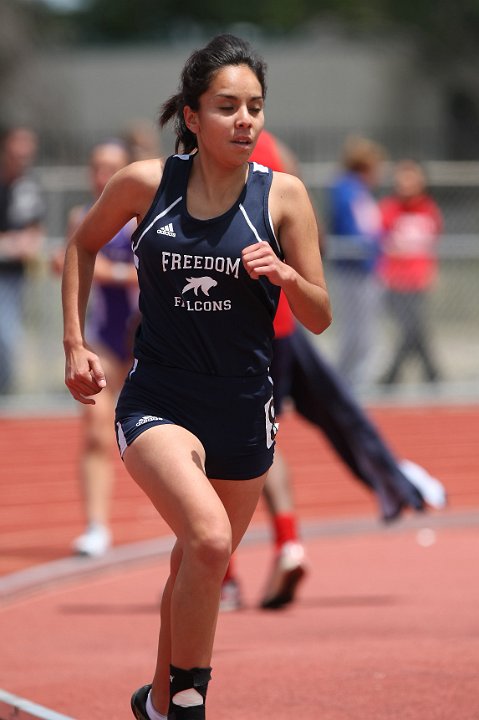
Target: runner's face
x=230, y=115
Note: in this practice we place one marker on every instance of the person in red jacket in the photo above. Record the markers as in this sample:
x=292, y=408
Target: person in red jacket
x=408, y=267
x=322, y=398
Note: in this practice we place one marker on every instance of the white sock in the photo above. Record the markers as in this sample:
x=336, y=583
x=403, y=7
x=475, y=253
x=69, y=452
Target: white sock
x=152, y=713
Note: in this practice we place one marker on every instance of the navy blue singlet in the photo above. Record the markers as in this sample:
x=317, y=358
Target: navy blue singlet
x=204, y=346
x=200, y=309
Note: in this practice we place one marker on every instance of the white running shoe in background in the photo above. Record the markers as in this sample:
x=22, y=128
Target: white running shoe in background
x=432, y=490
x=94, y=542
x=230, y=596
x=288, y=571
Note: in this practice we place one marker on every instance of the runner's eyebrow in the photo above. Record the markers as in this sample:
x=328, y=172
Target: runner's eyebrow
x=227, y=96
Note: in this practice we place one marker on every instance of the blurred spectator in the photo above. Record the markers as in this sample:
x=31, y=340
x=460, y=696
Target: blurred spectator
x=412, y=223
x=142, y=140
x=21, y=234
x=355, y=224
x=111, y=321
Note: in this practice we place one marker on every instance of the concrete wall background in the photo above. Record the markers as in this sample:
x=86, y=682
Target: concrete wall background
x=318, y=90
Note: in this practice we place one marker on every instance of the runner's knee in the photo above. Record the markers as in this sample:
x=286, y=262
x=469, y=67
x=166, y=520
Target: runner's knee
x=212, y=550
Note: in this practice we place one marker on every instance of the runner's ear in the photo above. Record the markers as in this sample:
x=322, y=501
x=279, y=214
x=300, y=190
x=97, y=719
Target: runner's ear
x=191, y=119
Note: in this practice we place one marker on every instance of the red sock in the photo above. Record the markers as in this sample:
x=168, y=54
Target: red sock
x=285, y=528
x=230, y=571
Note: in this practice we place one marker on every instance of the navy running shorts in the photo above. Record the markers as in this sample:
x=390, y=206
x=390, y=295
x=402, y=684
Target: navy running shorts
x=232, y=417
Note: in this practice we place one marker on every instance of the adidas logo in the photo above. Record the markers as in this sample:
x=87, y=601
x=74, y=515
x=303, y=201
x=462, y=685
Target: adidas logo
x=147, y=419
x=167, y=230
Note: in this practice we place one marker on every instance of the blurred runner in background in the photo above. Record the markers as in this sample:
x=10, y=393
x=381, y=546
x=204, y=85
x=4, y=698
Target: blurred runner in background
x=111, y=321
x=324, y=399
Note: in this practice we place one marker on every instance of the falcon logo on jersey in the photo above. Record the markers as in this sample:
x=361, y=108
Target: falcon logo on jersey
x=202, y=283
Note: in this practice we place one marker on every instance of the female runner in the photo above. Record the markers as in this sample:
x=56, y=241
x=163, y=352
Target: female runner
x=217, y=239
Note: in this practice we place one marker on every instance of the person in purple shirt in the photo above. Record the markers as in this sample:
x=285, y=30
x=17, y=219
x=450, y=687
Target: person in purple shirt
x=111, y=321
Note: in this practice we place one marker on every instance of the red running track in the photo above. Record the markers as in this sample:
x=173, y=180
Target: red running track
x=384, y=629
x=386, y=626
x=40, y=509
